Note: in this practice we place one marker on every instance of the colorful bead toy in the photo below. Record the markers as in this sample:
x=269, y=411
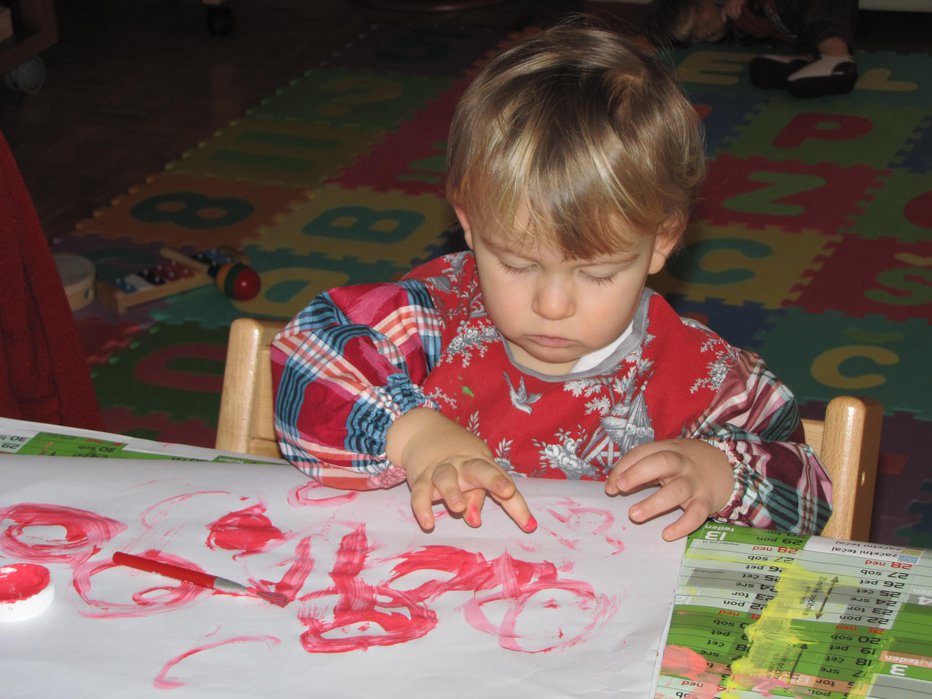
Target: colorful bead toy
x=224, y=266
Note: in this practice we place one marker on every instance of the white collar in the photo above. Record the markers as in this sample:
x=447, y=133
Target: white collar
x=593, y=359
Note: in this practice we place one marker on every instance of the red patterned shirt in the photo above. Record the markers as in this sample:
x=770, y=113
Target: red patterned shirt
x=358, y=357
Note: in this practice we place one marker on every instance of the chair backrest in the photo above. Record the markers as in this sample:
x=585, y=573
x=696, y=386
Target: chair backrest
x=246, y=423
x=847, y=440
x=848, y=443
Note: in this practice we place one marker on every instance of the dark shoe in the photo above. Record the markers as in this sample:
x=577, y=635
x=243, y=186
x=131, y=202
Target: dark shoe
x=770, y=72
x=826, y=76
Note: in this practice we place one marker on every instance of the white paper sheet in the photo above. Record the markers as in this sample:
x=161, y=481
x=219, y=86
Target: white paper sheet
x=575, y=609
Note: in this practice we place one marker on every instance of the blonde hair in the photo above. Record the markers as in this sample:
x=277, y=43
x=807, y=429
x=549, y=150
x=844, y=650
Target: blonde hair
x=574, y=131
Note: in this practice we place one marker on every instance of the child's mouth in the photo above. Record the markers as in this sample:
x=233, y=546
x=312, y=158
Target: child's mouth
x=550, y=341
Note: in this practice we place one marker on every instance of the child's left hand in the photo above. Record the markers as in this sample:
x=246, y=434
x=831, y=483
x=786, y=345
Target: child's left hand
x=692, y=475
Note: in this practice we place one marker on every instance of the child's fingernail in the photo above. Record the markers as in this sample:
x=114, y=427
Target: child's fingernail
x=531, y=524
x=472, y=516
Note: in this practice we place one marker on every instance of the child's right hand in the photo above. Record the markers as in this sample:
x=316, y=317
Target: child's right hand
x=446, y=462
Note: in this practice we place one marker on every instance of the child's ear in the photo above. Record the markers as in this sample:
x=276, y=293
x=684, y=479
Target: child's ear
x=464, y=223
x=665, y=242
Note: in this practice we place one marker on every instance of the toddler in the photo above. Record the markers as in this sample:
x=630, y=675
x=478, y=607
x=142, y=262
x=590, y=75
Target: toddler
x=573, y=163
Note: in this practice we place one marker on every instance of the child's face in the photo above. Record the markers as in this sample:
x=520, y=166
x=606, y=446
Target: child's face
x=551, y=310
x=709, y=23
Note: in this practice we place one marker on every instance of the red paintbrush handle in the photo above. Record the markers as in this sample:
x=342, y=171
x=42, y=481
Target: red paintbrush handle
x=167, y=569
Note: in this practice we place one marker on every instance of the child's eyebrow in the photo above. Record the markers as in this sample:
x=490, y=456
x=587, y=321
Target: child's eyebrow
x=619, y=259
x=500, y=247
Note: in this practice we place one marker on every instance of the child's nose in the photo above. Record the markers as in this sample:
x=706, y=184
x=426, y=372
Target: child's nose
x=554, y=299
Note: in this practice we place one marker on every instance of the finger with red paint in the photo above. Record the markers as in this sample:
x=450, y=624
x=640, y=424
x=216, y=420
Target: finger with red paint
x=472, y=514
x=475, y=499
x=462, y=484
x=487, y=477
x=447, y=463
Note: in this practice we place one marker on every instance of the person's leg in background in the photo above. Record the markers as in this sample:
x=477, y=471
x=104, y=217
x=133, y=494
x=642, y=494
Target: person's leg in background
x=827, y=30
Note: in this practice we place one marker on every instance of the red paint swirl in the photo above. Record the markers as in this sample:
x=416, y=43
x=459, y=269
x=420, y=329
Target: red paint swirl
x=304, y=495
x=362, y=615
x=154, y=594
x=296, y=575
x=54, y=533
x=248, y=531
x=164, y=681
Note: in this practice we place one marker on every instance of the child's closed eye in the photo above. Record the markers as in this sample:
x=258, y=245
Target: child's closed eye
x=600, y=279
x=516, y=268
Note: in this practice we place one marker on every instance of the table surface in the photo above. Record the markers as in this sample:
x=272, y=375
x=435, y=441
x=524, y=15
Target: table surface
x=579, y=608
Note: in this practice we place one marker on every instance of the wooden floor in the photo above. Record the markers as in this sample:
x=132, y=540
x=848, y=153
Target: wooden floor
x=133, y=84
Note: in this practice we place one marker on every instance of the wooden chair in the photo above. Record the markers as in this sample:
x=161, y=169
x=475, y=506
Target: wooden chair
x=847, y=441
x=245, y=424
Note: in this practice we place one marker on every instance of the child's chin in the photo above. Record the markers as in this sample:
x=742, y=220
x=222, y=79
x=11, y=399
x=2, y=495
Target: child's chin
x=556, y=363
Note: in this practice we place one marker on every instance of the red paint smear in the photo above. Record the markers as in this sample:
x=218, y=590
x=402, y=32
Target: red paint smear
x=85, y=532
x=151, y=514
x=20, y=581
x=248, y=531
x=616, y=544
x=360, y=607
x=681, y=661
x=507, y=580
x=503, y=580
x=163, y=681
x=301, y=496
x=572, y=544
x=579, y=518
x=466, y=571
x=519, y=582
x=588, y=520
x=293, y=580
x=166, y=596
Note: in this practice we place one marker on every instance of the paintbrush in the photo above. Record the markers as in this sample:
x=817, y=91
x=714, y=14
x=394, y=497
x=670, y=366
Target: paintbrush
x=211, y=582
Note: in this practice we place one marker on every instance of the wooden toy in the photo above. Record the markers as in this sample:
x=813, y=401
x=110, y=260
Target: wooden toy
x=181, y=273
x=234, y=278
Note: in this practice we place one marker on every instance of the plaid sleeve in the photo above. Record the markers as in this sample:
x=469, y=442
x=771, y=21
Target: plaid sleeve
x=779, y=481
x=343, y=369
